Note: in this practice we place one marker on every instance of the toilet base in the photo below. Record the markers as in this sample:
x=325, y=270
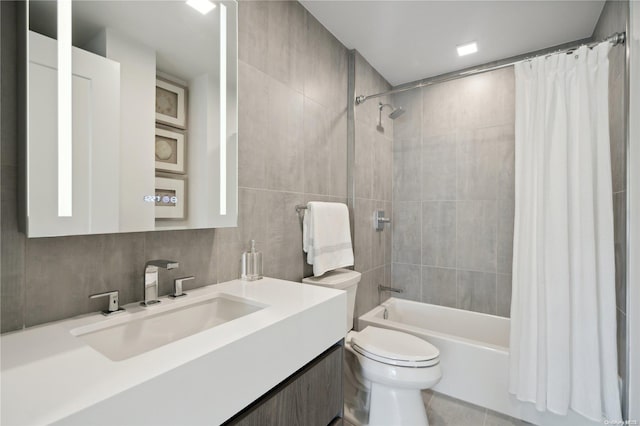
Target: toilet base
x=389, y=406
x=381, y=395
x=393, y=406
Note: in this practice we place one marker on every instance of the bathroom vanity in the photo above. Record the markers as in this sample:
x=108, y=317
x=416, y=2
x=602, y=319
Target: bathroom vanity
x=239, y=351
x=311, y=396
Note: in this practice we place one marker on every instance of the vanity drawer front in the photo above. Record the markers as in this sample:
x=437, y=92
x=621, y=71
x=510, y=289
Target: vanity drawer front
x=311, y=397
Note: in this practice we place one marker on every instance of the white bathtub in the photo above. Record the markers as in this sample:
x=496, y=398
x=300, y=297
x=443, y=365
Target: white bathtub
x=474, y=355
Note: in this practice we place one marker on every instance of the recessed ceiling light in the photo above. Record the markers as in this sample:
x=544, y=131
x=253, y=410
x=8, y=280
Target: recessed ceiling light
x=202, y=6
x=467, y=49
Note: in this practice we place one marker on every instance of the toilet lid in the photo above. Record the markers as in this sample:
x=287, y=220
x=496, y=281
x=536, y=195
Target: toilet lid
x=395, y=348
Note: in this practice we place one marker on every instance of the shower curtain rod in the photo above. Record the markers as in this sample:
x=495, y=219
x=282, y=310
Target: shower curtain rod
x=615, y=39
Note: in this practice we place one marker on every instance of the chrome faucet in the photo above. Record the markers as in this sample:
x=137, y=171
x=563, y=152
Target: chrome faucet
x=383, y=288
x=151, y=279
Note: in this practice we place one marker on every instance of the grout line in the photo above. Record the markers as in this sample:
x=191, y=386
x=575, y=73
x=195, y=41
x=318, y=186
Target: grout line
x=23, y=284
x=497, y=232
x=433, y=394
x=304, y=153
x=455, y=230
x=421, y=189
x=456, y=283
x=272, y=190
x=452, y=268
x=291, y=192
x=461, y=200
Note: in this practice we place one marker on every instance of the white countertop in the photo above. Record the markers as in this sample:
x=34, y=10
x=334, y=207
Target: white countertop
x=47, y=375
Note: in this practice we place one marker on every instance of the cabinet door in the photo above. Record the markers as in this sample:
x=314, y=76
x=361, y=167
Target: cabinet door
x=311, y=397
x=93, y=163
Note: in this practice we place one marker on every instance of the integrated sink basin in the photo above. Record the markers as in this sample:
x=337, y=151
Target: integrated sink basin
x=147, y=330
x=82, y=370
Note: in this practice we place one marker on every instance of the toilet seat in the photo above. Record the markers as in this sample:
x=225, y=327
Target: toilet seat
x=394, y=348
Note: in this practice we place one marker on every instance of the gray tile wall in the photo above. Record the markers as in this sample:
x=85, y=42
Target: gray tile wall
x=453, y=193
x=372, y=176
x=293, y=130
x=613, y=19
x=292, y=149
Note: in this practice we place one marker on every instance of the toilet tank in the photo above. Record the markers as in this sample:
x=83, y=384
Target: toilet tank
x=340, y=279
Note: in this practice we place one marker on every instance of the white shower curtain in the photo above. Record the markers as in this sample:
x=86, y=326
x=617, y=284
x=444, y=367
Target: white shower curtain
x=563, y=311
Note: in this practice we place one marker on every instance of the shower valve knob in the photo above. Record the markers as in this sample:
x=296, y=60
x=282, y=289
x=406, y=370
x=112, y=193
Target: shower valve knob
x=379, y=220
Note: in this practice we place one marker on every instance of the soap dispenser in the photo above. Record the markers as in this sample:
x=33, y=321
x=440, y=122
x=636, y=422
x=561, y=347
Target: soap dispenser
x=252, y=264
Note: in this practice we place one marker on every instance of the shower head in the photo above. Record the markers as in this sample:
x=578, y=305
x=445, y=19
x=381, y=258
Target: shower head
x=395, y=113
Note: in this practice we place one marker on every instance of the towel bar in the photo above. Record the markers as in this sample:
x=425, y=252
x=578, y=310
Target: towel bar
x=300, y=207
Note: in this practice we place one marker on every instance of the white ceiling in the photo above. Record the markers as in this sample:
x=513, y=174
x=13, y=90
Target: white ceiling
x=185, y=41
x=411, y=40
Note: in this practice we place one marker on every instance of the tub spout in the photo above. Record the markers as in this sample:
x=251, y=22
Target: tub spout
x=382, y=288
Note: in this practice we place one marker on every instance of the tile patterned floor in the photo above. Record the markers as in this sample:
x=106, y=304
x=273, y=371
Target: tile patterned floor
x=443, y=410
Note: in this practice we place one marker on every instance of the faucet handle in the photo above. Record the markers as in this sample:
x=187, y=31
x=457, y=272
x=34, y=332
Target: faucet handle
x=379, y=220
x=163, y=263
x=114, y=306
x=178, y=287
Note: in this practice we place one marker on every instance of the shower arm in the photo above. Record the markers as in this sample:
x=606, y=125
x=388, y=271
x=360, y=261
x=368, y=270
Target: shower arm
x=362, y=98
x=614, y=39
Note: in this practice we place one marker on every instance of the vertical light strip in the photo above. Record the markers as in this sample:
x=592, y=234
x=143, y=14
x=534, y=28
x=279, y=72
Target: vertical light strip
x=65, y=154
x=223, y=109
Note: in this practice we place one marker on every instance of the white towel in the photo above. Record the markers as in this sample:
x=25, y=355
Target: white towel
x=326, y=236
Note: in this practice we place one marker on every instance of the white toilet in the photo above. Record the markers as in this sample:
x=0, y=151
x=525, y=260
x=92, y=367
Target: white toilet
x=384, y=369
